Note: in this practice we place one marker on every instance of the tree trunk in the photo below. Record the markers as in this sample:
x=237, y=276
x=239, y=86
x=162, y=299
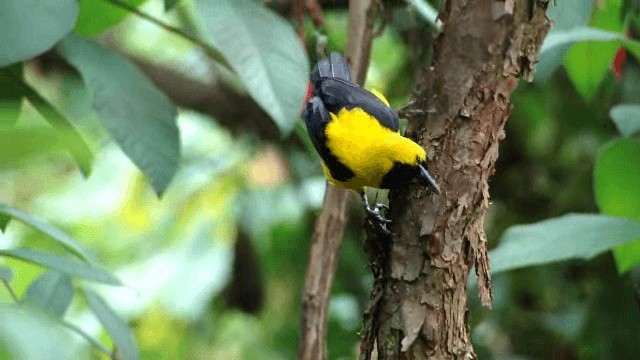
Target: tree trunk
x=419, y=305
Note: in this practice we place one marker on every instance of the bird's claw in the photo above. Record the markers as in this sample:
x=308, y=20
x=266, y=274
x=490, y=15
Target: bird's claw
x=373, y=214
x=378, y=220
x=381, y=206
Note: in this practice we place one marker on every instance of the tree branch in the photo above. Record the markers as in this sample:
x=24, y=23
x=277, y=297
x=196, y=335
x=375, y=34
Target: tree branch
x=458, y=114
x=329, y=227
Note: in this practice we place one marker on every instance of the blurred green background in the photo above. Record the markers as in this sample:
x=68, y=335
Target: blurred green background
x=214, y=268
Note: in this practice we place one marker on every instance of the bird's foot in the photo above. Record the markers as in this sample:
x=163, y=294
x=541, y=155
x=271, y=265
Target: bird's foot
x=374, y=214
x=377, y=219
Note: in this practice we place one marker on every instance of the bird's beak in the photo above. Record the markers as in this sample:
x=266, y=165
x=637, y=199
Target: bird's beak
x=426, y=180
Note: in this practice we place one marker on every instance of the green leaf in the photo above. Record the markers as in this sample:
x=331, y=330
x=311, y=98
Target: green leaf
x=565, y=15
x=68, y=134
x=263, y=49
x=578, y=34
x=557, y=41
x=140, y=118
x=60, y=237
x=66, y=265
x=617, y=179
x=617, y=191
x=549, y=61
x=115, y=326
x=97, y=16
x=51, y=292
x=573, y=236
x=10, y=96
x=627, y=118
x=608, y=16
x=31, y=27
x=586, y=76
x=570, y=14
x=6, y=273
x=170, y=4
x=26, y=334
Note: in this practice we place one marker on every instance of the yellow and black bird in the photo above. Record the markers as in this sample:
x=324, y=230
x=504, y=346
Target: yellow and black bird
x=356, y=134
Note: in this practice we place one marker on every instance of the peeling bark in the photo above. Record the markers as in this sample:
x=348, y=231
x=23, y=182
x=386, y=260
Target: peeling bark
x=458, y=114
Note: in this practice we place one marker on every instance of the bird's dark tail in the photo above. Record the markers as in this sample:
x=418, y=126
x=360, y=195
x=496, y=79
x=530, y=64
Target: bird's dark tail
x=335, y=66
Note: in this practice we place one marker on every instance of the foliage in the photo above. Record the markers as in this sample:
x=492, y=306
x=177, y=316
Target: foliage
x=70, y=101
x=274, y=72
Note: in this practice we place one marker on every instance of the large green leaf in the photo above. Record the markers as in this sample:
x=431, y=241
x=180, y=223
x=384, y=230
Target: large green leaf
x=565, y=15
x=115, y=326
x=617, y=191
x=51, y=292
x=586, y=76
x=29, y=335
x=627, y=118
x=10, y=96
x=67, y=134
x=578, y=34
x=97, y=16
x=573, y=236
x=31, y=27
x=140, y=118
x=570, y=14
x=54, y=233
x=66, y=265
x=263, y=49
x=557, y=42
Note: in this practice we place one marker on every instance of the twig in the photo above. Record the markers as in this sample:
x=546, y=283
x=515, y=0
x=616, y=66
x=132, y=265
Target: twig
x=329, y=227
x=298, y=14
x=210, y=50
x=315, y=12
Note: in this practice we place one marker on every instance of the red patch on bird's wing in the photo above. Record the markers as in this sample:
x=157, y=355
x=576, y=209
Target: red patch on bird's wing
x=309, y=92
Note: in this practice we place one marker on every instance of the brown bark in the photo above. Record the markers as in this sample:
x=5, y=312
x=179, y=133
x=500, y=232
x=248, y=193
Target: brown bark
x=329, y=227
x=458, y=114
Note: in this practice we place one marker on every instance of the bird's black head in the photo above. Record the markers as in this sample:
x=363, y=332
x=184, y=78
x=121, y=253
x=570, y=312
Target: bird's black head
x=402, y=174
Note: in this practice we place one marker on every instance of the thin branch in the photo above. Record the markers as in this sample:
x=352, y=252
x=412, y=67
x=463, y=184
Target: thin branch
x=330, y=225
x=210, y=50
x=315, y=12
x=298, y=14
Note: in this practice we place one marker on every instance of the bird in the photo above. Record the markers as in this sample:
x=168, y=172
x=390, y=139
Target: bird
x=356, y=134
